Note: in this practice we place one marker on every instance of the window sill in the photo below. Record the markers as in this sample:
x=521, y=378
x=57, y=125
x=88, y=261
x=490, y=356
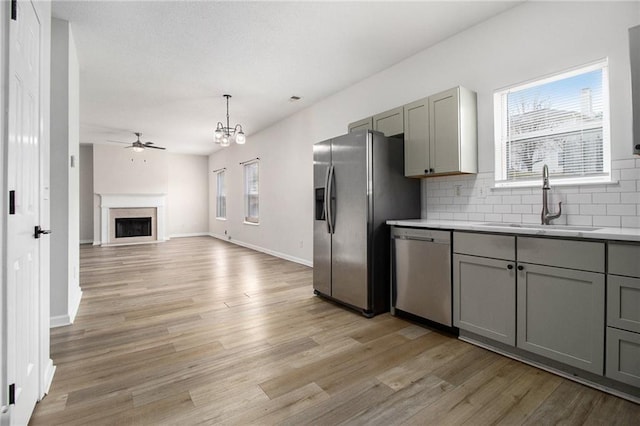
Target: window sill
x=251, y=223
x=552, y=184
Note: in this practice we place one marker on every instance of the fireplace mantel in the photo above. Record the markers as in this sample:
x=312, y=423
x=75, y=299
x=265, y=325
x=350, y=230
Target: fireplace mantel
x=113, y=201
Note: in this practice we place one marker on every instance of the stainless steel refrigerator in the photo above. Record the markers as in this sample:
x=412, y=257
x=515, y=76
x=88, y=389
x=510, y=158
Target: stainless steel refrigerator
x=358, y=183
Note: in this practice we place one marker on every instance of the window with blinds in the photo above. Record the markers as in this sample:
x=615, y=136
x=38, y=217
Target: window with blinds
x=221, y=196
x=561, y=121
x=251, y=192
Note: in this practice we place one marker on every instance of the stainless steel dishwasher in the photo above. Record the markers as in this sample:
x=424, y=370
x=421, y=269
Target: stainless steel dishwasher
x=421, y=273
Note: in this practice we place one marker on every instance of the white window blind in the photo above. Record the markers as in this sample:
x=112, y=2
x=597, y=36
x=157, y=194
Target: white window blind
x=561, y=121
x=221, y=196
x=251, y=192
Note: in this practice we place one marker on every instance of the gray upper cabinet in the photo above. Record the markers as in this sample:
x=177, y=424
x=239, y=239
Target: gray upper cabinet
x=391, y=122
x=441, y=134
x=364, y=124
x=416, y=138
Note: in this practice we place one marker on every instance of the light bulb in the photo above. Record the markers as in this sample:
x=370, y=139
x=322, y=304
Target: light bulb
x=217, y=135
x=240, y=138
x=225, y=140
x=138, y=148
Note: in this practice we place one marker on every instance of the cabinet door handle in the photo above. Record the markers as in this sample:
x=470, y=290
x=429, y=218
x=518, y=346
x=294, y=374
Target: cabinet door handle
x=426, y=171
x=431, y=170
x=520, y=267
x=509, y=266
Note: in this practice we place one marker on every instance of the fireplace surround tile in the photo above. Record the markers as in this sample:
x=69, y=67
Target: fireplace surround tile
x=131, y=205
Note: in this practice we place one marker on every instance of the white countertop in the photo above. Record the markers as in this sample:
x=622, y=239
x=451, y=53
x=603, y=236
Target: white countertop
x=619, y=234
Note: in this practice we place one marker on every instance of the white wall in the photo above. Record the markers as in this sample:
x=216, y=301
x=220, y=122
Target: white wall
x=117, y=170
x=188, y=200
x=65, y=115
x=285, y=175
x=183, y=178
x=85, y=168
x=526, y=42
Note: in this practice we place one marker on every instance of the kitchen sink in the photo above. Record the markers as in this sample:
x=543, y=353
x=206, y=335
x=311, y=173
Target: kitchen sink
x=549, y=227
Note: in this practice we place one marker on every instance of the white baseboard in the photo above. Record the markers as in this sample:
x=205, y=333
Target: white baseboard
x=86, y=241
x=47, y=378
x=75, y=305
x=67, y=319
x=264, y=250
x=191, y=234
x=60, y=321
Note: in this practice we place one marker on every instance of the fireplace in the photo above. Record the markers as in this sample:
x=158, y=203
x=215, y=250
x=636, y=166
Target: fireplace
x=132, y=218
x=127, y=227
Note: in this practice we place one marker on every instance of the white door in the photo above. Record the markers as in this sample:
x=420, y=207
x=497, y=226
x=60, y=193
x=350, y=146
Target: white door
x=23, y=183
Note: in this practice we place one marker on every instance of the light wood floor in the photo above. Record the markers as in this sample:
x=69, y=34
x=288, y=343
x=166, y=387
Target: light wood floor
x=199, y=331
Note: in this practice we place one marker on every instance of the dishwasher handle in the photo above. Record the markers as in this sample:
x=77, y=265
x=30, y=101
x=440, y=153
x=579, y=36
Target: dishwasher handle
x=404, y=237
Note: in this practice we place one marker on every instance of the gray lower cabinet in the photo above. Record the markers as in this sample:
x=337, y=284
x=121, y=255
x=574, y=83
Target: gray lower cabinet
x=623, y=303
x=623, y=356
x=560, y=315
x=484, y=285
x=623, y=313
x=484, y=291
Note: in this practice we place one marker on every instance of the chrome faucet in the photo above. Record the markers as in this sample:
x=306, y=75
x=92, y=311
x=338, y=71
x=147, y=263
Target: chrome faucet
x=545, y=216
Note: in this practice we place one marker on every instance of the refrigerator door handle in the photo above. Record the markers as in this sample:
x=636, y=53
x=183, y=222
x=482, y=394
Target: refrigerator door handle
x=326, y=197
x=328, y=200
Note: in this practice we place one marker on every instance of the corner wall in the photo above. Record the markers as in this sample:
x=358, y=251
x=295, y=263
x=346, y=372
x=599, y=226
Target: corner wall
x=188, y=196
x=65, y=125
x=86, y=193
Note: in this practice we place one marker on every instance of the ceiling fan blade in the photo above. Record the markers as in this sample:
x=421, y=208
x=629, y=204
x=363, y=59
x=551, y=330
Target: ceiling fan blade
x=154, y=147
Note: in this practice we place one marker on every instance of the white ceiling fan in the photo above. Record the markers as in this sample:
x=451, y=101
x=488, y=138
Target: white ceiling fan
x=139, y=146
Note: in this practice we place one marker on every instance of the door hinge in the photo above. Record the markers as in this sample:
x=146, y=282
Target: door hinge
x=12, y=202
x=12, y=393
x=14, y=10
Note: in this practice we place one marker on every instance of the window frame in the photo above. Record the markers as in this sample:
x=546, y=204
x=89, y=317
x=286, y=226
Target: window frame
x=501, y=179
x=223, y=196
x=251, y=220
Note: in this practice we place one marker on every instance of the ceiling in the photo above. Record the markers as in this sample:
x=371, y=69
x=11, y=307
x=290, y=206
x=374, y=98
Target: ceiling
x=161, y=67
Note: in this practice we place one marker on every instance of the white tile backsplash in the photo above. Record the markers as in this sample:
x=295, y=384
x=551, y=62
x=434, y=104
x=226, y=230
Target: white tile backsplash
x=610, y=205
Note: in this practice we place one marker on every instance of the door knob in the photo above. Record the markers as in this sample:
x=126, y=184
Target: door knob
x=520, y=267
x=38, y=231
x=509, y=266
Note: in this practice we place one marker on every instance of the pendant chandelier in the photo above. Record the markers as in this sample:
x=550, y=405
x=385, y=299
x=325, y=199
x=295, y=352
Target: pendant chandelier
x=225, y=134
